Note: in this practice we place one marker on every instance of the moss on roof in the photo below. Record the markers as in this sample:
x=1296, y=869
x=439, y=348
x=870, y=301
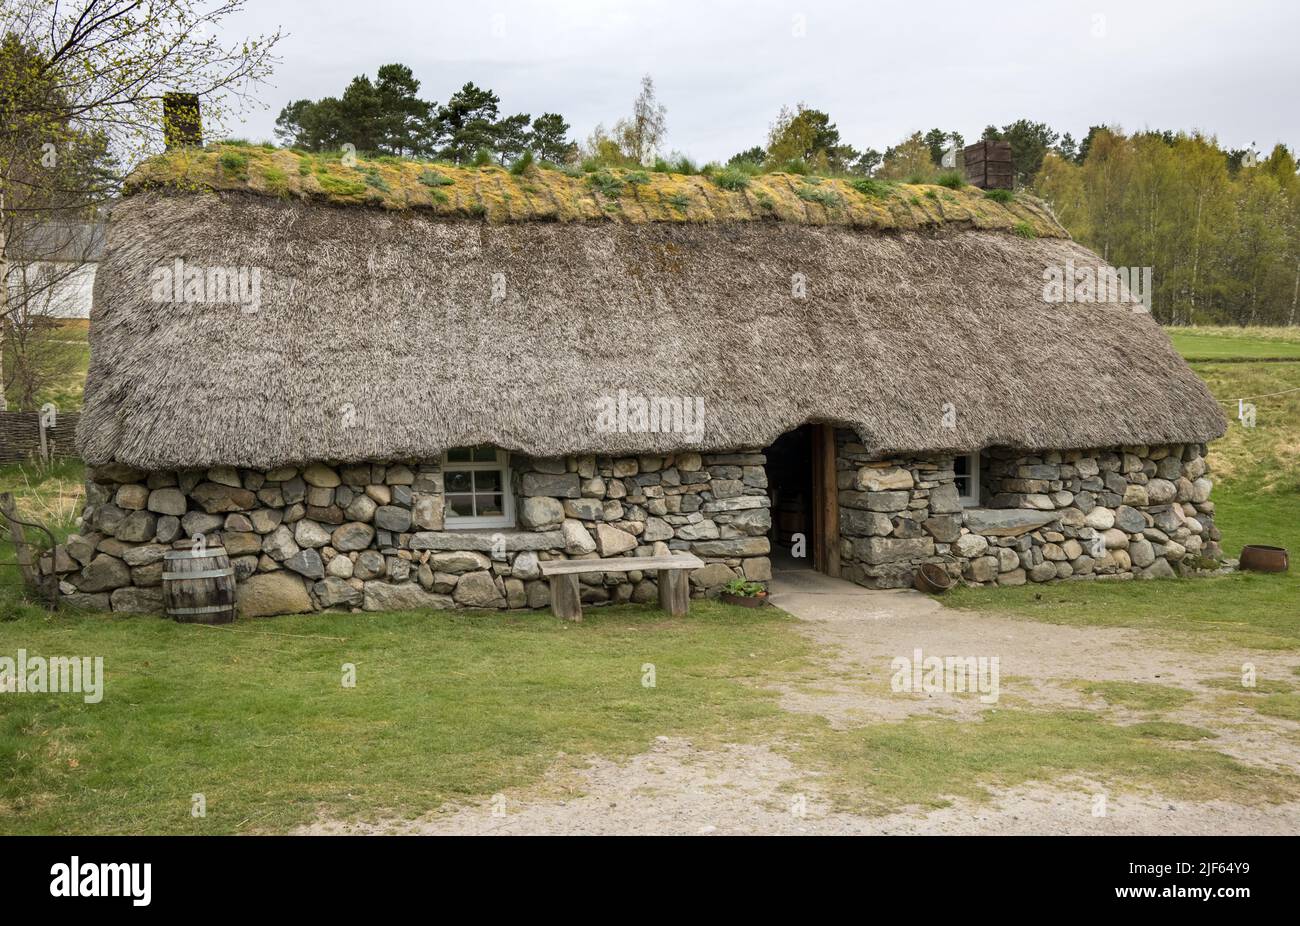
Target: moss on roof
x=546, y=194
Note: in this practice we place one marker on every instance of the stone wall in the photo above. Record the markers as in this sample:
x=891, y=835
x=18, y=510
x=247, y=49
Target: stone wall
x=1069, y=515
x=375, y=536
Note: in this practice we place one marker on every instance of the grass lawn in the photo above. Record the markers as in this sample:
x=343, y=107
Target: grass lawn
x=1231, y=343
x=447, y=706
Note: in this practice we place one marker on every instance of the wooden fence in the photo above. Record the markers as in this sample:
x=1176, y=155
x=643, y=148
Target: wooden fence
x=20, y=436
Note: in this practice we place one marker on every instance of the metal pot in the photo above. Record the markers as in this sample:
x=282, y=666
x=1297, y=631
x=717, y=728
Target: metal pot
x=1259, y=558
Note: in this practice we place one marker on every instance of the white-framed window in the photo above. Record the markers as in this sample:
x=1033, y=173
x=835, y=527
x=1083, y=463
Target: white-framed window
x=967, y=468
x=476, y=488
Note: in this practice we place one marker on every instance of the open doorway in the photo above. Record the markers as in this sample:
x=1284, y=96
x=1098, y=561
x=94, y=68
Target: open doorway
x=805, y=513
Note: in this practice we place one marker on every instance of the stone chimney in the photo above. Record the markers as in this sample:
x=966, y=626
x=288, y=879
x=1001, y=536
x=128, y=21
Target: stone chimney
x=182, y=123
x=988, y=165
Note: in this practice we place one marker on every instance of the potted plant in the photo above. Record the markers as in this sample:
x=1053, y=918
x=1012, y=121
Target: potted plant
x=744, y=593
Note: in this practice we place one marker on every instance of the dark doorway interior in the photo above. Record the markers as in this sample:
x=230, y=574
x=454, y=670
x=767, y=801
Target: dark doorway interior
x=790, y=486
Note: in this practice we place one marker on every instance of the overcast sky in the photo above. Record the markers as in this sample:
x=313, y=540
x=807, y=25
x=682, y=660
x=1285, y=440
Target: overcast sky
x=882, y=70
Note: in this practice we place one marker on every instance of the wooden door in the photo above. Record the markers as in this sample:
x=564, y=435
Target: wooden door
x=825, y=502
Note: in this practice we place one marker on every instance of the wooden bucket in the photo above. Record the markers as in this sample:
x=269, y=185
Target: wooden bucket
x=199, y=586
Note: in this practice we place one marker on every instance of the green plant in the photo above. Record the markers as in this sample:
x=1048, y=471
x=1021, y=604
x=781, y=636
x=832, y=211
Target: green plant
x=374, y=178
x=524, y=162
x=745, y=589
x=765, y=201
x=1000, y=196
x=917, y=177
x=431, y=178
x=684, y=165
x=482, y=158
x=235, y=162
x=605, y=183
x=680, y=200
x=952, y=179
x=636, y=177
x=869, y=186
x=828, y=198
x=731, y=178
x=1024, y=230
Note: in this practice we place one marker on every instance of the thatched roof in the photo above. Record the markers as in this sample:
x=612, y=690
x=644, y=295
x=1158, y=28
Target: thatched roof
x=380, y=335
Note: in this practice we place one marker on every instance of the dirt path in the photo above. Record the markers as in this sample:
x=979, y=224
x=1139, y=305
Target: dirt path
x=674, y=788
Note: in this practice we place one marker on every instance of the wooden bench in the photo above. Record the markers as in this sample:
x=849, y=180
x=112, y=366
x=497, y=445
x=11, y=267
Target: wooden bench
x=674, y=591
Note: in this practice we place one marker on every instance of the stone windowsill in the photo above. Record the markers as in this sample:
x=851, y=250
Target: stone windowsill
x=481, y=539
x=1006, y=522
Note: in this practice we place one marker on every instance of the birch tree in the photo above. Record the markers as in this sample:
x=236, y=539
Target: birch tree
x=81, y=90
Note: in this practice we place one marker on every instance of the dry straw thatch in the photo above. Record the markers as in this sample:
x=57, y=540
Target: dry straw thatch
x=386, y=334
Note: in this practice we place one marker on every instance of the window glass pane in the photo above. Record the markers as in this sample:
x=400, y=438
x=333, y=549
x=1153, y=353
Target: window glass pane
x=961, y=466
x=460, y=506
x=485, y=454
x=459, y=455
x=487, y=480
x=489, y=506
x=459, y=481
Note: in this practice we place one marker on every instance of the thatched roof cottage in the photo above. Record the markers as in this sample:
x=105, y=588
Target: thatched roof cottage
x=393, y=384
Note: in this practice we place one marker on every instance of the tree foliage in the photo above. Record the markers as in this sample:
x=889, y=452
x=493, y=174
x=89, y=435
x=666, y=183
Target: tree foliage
x=387, y=116
x=809, y=137
x=1223, y=243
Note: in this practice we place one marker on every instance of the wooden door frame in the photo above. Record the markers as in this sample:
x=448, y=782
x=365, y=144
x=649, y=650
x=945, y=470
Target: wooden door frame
x=826, y=506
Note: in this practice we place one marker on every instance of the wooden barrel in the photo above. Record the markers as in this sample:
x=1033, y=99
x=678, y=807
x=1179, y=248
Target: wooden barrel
x=199, y=586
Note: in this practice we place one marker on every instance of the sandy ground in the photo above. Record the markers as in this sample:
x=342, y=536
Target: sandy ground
x=676, y=788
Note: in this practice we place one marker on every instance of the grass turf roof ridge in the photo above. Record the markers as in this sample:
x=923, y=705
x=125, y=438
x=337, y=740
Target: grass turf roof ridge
x=542, y=194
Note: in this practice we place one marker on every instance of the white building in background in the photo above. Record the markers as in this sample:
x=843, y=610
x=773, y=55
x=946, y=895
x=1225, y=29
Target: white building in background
x=52, y=265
